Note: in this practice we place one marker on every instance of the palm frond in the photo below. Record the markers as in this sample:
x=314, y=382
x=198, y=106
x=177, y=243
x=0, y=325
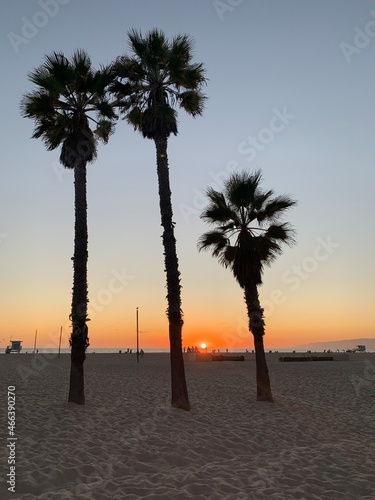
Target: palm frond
x=241, y=188
x=105, y=108
x=246, y=248
x=217, y=211
x=81, y=62
x=37, y=104
x=276, y=207
x=134, y=117
x=129, y=68
x=192, y=102
x=181, y=50
x=105, y=128
x=260, y=198
x=58, y=69
x=216, y=197
x=213, y=240
x=216, y=214
x=68, y=94
x=190, y=77
x=281, y=232
x=151, y=81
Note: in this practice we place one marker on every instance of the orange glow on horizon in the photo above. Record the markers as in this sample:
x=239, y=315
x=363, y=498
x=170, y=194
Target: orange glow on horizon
x=218, y=325
x=227, y=340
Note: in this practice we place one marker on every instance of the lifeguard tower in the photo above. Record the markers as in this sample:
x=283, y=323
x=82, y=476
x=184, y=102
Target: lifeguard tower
x=360, y=348
x=15, y=346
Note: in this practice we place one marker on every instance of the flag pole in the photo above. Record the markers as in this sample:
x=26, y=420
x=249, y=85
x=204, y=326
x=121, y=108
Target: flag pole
x=60, y=341
x=36, y=334
x=137, y=336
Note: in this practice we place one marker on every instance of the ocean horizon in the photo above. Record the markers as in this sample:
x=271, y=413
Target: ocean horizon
x=151, y=350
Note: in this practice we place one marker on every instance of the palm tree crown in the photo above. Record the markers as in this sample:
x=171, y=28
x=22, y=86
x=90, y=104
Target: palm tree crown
x=69, y=96
x=248, y=234
x=158, y=76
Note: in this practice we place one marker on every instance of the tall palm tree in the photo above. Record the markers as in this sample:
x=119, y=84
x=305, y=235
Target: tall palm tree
x=247, y=236
x=158, y=76
x=71, y=108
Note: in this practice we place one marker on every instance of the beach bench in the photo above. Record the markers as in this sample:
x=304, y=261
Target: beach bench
x=222, y=357
x=288, y=359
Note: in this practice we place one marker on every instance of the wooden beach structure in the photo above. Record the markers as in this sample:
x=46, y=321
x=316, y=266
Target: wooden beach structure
x=15, y=346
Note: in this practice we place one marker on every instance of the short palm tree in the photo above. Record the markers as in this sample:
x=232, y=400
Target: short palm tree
x=247, y=236
x=158, y=76
x=71, y=108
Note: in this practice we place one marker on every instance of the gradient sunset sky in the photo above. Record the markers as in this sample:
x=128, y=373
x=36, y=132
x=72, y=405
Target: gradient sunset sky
x=290, y=91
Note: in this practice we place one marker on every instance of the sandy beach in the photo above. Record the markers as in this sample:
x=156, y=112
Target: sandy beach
x=316, y=441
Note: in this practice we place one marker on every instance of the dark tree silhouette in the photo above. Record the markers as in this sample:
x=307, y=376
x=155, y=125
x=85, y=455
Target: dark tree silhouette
x=247, y=236
x=69, y=98
x=158, y=76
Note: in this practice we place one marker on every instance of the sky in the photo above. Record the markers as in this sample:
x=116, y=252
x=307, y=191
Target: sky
x=290, y=91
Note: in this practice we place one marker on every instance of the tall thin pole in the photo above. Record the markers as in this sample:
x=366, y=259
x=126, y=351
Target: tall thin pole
x=60, y=341
x=137, y=336
x=36, y=334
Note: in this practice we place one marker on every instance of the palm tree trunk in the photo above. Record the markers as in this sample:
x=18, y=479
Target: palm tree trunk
x=180, y=397
x=256, y=326
x=79, y=337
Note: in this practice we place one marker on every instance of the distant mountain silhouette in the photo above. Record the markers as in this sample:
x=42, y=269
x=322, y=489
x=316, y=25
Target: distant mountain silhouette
x=333, y=345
